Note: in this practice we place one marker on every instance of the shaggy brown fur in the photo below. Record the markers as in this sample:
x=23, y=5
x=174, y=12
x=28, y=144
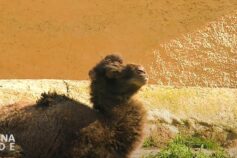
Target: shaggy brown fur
x=60, y=127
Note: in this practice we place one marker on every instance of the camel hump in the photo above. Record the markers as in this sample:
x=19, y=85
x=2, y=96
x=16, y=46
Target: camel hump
x=49, y=99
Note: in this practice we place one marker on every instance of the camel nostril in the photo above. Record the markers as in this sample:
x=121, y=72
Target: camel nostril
x=141, y=69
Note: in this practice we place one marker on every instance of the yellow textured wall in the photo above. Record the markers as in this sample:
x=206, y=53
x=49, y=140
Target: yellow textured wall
x=206, y=57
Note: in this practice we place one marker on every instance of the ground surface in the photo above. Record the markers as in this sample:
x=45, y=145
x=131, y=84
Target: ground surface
x=64, y=38
x=210, y=112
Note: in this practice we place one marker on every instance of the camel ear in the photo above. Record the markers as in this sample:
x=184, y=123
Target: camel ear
x=92, y=74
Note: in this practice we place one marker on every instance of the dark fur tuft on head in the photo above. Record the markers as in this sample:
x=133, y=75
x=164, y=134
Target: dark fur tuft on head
x=103, y=65
x=113, y=58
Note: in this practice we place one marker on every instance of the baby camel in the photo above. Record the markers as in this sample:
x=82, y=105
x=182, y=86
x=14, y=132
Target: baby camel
x=59, y=127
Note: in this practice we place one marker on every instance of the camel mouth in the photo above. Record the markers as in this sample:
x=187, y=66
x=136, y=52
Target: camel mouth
x=142, y=75
x=140, y=80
